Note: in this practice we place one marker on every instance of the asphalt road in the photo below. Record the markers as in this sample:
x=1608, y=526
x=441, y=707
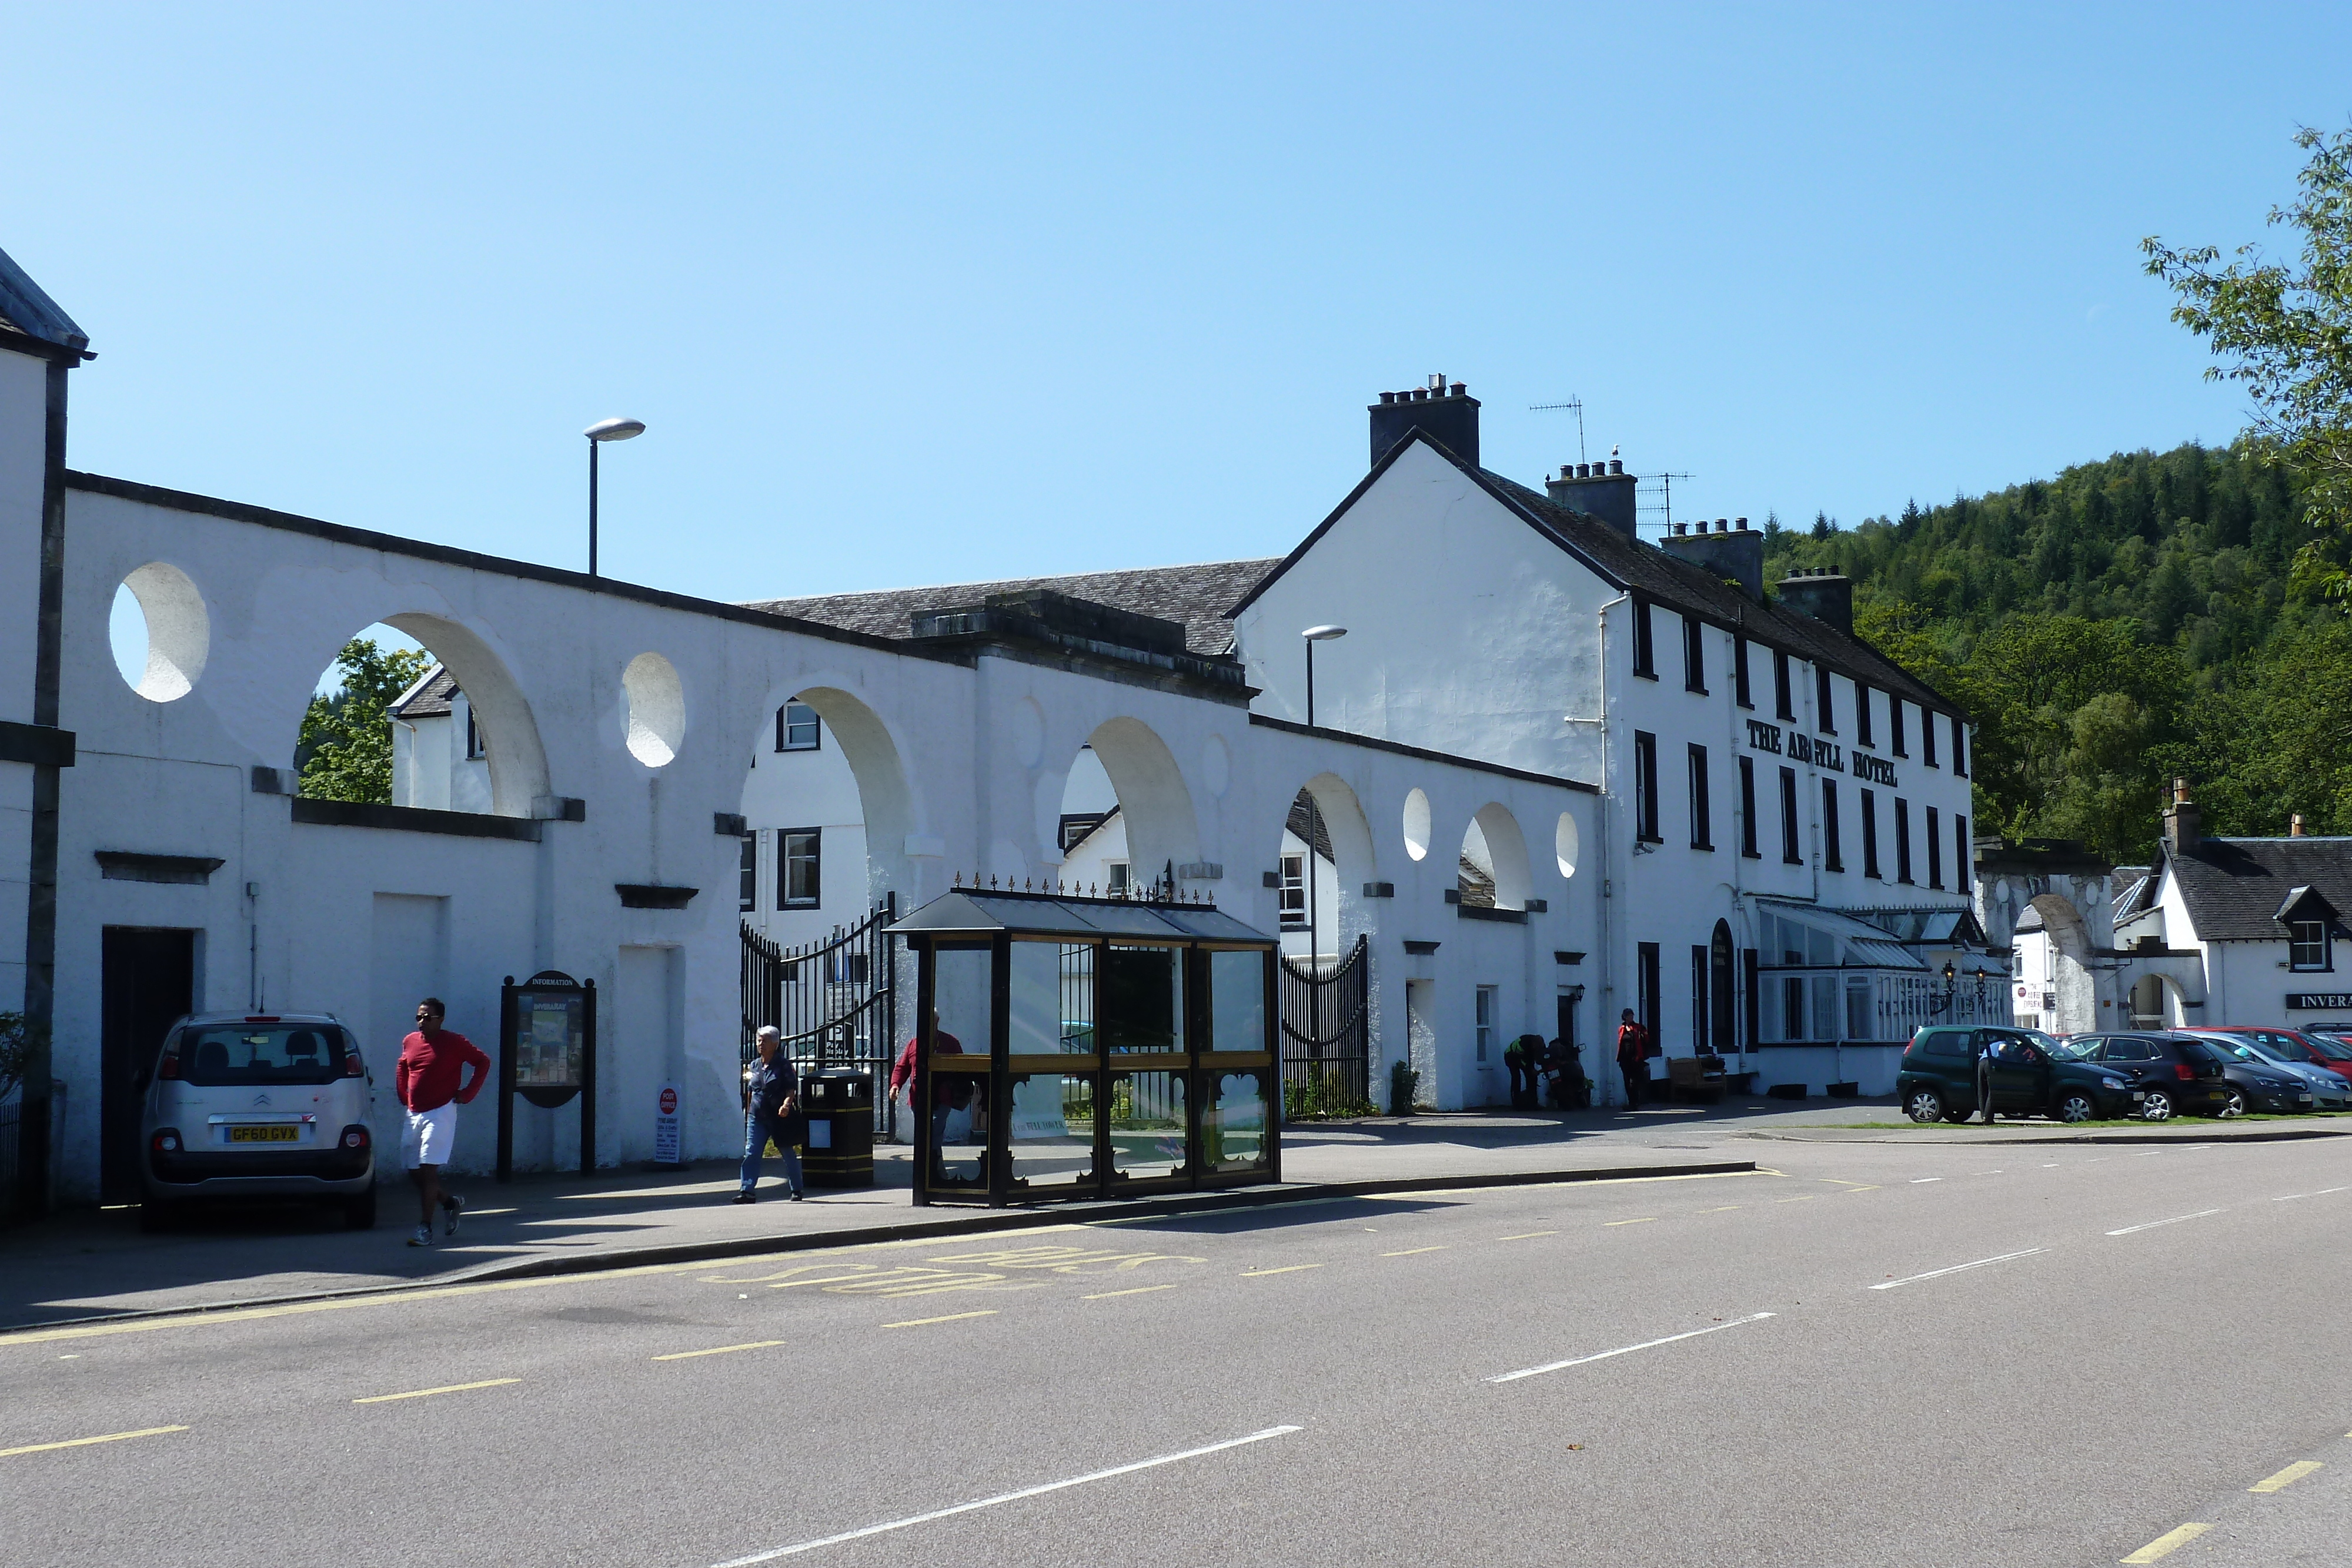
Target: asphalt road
x=1823, y=1365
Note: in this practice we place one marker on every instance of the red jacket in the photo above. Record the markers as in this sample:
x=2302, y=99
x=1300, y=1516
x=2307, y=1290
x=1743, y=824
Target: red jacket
x=902, y=1071
x=430, y=1068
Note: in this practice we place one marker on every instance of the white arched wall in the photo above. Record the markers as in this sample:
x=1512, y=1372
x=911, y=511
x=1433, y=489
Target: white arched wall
x=1162, y=828
x=2073, y=979
x=1507, y=847
x=885, y=796
x=518, y=775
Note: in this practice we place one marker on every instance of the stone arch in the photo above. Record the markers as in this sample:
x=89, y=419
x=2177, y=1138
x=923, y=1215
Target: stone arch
x=518, y=758
x=1162, y=828
x=1337, y=913
x=2071, y=979
x=1494, y=844
x=884, y=795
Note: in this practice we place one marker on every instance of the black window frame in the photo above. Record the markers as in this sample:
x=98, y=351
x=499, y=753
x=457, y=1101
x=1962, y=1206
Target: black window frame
x=1959, y=748
x=747, y=874
x=1702, y=812
x=1740, y=691
x=1935, y=851
x=1748, y=849
x=1645, y=788
x=1644, y=645
x=1870, y=835
x=1962, y=860
x=2326, y=944
x=786, y=724
x=477, y=745
x=786, y=859
x=1784, y=695
x=1927, y=737
x=1792, y=846
x=1903, y=841
x=1694, y=654
x=1825, y=701
x=1862, y=731
x=1832, y=852
x=1898, y=741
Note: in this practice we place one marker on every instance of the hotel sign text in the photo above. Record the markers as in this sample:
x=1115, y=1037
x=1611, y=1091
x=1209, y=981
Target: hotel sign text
x=1824, y=754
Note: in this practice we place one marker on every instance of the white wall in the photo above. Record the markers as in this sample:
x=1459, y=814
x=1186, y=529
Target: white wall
x=24, y=424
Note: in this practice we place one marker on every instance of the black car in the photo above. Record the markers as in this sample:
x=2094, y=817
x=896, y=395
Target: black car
x=2033, y=1075
x=2261, y=1083
x=2173, y=1073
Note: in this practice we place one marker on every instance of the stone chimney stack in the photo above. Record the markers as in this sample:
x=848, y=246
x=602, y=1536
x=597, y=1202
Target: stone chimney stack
x=1603, y=490
x=1826, y=595
x=1443, y=409
x=2184, y=823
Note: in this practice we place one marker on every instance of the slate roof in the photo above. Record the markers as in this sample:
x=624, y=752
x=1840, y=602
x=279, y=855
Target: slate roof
x=2233, y=887
x=429, y=697
x=25, y=308
x=1196, y=596
x=1658, y=577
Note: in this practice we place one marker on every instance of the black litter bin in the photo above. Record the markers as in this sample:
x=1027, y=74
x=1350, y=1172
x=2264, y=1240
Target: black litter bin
x=839, y=1104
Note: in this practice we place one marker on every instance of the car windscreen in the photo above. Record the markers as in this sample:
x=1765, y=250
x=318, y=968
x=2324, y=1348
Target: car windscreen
x=2330, y=1047
x=214, y=1054
x=2060, y=1050
x=2232, y=1049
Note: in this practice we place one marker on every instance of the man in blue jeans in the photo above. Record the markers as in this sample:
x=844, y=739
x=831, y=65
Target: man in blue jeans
x=772, y=1109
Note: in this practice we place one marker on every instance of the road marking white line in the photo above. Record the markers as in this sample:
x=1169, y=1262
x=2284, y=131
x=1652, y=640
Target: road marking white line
x=429, y=1393
x=2323, y=1192
x=1292, y=1269
x=2152, y=1224
x=1138, y=1290
x=950, y=1318
x=1955, y=1269
x=1625, y=1350
x=937, y=1513
x=1917, y=1180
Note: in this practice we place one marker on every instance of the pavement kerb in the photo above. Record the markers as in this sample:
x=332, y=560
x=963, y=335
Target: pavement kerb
x=1984, y=1136
x=974, y=1223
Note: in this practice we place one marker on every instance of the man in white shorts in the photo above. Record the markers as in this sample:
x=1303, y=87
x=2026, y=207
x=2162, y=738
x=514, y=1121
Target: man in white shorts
x=430, y=1082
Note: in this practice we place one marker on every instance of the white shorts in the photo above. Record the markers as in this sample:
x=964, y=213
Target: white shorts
x=429, y=1137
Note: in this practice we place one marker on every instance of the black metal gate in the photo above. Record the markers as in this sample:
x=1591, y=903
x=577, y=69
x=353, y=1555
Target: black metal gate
x=1326, y=1036
x=834, y=1000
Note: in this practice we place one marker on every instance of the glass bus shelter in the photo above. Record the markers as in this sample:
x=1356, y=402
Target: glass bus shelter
x=1089, y=1048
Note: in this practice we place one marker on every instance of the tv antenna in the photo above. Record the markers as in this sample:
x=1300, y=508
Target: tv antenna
x=1667, y=494
x=1577, y=404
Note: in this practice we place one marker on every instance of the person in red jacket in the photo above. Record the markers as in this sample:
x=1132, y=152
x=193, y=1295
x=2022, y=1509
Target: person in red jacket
x=430, y=1081
x=943, y=1096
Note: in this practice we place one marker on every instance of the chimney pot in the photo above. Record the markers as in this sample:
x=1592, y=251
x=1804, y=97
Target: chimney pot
x=1387, y=397
x=1460, y=390
x=1722, y=526
x=1740, y=524
x=1615, y=466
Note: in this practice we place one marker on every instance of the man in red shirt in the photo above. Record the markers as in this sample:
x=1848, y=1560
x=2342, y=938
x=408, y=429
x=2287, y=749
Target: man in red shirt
x=902, y=1076
x=429, y=1081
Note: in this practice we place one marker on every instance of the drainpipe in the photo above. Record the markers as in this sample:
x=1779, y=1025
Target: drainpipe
x=1607, y=1012
x=35, y=1160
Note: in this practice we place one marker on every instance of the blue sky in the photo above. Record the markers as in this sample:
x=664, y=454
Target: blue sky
x=913, y=294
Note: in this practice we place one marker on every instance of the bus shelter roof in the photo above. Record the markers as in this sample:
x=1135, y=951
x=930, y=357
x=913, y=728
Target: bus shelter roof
x=964, y=914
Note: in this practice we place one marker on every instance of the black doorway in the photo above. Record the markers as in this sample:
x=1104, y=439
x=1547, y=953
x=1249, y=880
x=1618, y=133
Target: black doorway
x=148, y=981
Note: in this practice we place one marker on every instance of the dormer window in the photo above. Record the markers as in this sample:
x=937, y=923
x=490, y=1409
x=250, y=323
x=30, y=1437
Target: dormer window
x=2308, y=946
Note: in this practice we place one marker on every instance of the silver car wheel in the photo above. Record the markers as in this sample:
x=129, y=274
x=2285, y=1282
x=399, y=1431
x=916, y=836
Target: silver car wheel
x=1923, y=1105
x=2076, y=1106
x=2158, y=1107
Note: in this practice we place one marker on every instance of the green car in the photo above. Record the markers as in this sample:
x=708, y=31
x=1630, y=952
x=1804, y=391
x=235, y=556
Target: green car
x=2034, y=1075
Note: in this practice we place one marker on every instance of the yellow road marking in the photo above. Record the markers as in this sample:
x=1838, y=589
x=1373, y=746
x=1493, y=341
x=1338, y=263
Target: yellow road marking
x=1646, y=1220
x=2287, y=1476
x=428, y=1393
x=86, y=1442
x=1840, y=1181
x=1410, y=1251
x=719, y=1350
x=1138, y=1290
x=2166, y=1545
x=1801, y=1198
x=1262, y=1273
x=1727, y=1208
x=950, y=1318
x=1527, y=1235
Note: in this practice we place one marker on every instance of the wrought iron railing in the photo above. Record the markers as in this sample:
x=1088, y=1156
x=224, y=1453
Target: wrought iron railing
x=834, y=1000
x=1326, y=1034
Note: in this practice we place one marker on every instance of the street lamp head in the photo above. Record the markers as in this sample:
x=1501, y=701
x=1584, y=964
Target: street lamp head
x=1324, y=633
x=614, y=429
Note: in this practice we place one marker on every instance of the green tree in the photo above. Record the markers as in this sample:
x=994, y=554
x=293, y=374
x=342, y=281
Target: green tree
x=2286, y=333
x=344, y=751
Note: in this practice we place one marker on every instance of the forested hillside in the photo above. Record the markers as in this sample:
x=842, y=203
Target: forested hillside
x=2127, y=621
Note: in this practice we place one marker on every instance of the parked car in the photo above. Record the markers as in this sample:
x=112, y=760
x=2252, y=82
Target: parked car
x=2173, y=1073
x=2261, y=1083
x=2330, y=1090
x=246, y=1105
x=2042, y=1076
x=2329, y=1045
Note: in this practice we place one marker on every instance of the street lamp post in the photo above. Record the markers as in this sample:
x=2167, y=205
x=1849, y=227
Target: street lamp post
x=1315, y=634
x=603, y=431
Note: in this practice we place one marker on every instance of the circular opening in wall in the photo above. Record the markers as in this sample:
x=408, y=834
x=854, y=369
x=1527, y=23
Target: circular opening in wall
x=1563, y=843
x=656, y=709
x=159, y=631
x=1416, y=824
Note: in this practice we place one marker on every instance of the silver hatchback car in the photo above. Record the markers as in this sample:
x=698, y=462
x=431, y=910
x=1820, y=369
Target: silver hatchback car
x=246, y=1106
